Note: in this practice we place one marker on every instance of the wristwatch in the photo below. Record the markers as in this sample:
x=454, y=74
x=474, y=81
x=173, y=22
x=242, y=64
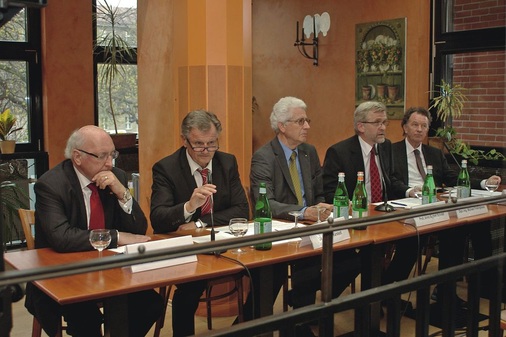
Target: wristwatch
x=126, y=196
x=200, y=224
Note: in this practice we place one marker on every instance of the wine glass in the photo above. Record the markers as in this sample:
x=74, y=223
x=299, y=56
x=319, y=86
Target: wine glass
x=296, y=215
x=319, y=209
x=238, y=227
x=491, y=185
x=100, y=239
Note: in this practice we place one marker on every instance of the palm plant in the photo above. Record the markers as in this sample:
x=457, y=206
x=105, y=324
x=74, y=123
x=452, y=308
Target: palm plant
x=116, y=49
x=7, y=122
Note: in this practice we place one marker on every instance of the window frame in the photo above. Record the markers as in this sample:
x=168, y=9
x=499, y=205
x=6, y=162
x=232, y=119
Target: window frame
x=29, y=51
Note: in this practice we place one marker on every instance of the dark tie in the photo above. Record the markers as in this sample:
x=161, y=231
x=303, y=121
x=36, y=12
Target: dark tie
x=97, y=219
x=419, y=164
x=206, y=207
x=295, y=177
x=376, y=194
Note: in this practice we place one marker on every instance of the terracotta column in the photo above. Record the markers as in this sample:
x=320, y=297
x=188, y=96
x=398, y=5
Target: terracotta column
x=193, y=54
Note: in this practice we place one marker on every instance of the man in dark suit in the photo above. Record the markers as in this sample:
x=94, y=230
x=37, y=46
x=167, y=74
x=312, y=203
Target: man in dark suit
x=63, y=221
x=355, y=154
x=270, y=164
x=183, y=192
x=415, y=124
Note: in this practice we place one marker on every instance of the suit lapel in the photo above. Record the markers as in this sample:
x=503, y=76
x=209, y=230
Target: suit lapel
x=281, y=163
x=76, y=191
x=305, y=167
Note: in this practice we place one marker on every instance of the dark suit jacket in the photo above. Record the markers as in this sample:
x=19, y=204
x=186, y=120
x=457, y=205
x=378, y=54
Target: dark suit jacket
x=60, y=217
x=269, y=165
x=346, y=156
x=173, y=185
x=443, y=174
x=61, y=223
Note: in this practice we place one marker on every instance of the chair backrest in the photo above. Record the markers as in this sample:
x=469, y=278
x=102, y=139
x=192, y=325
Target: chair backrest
x=27, y=217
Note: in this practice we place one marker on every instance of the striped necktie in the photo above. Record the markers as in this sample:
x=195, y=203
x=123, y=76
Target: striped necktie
x=376, y=190
x=206, y=207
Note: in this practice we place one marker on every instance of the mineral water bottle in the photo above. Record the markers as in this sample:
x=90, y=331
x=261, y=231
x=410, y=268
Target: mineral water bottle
x=463, y=181
x=263, y=217
x=429, y=188
x=341, y=199
x=359, y=202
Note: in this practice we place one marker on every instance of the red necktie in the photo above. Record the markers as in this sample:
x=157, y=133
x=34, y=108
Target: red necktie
x=206, y=207
x=376, y=194
x=97, y=218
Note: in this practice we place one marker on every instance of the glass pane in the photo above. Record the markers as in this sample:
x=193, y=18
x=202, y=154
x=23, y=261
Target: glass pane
x=14, y=95
x=483, y=74
x=14, y=29
x=123, y=98
x=124, y=13
x=470, y=15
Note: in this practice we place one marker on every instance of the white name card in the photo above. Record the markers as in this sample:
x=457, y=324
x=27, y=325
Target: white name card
x=470, y=211
x=160, y=244
x=317, y=240
x=431, y=219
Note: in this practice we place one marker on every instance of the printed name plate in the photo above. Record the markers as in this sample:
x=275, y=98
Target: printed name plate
x=161, y=244
x=317, y=240
x=431, y=219
x=470, y=211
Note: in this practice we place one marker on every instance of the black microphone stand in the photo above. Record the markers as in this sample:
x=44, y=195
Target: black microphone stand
x=385, y=206
x=213, y=232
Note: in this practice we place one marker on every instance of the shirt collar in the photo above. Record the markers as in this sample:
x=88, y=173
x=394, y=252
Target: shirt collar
x=410, y=148
x=83, y=181
x=287, y=151
x=366, y=148
x=195, y=167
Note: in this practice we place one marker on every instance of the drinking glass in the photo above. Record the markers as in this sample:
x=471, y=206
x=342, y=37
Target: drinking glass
x=491, y=185
x=319, y=209
x=100, y=239
x=238, y=227
x=296, y=215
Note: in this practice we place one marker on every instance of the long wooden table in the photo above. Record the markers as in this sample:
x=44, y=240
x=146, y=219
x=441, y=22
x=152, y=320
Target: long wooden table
x=112, y=285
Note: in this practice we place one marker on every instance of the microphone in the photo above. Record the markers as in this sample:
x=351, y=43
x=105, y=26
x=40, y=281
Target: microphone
x=384, y=207
x=213, y=232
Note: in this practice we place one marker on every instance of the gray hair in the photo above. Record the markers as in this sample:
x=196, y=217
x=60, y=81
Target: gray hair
x=361, y=112
x=75, y=141
x=282, y=111
x=201, y=120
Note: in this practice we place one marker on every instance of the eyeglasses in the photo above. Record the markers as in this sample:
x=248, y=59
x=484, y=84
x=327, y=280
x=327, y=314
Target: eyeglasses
x=213, y=146
x=300, y=121
x=378, y=123
x=102, y=156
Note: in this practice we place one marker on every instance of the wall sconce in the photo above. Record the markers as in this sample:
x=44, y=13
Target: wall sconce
x=312, y=25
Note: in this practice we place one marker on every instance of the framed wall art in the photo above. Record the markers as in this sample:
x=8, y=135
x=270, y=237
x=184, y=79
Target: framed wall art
x=380, y=64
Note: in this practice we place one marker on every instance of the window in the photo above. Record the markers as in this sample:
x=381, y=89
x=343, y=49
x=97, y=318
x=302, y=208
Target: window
x=116, y=84
x=20, y=74
x=469, y=49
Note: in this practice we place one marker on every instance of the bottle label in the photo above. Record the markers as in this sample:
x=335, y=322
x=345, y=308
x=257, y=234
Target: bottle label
x=428, y=199
x=341, y=211
x=463, y=192
x=356, y=214
x=261, y=227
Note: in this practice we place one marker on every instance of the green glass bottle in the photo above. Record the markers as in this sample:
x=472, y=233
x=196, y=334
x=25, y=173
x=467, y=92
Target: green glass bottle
x=359, y=205
x=429, y=188
x=463, y=181
x=341, y=199
x=263, y=217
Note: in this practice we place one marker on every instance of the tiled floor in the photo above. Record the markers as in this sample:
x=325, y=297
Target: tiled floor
x=22, y=321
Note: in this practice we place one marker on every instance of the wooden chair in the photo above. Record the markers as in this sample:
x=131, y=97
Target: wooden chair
x=27, y=217
x=502, y=323
x=208, y=298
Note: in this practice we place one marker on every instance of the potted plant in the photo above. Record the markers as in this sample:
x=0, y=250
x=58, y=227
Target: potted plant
x=117, y=52
x=449, y=105
x=7, y=129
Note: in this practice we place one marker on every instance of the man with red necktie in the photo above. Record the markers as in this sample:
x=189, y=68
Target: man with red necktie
x=84, y=192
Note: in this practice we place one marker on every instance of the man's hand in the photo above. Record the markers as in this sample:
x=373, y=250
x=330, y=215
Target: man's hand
x=129, y=238
x=199, y=197
x=493, y=180
x=311, y=213
x=106, y=178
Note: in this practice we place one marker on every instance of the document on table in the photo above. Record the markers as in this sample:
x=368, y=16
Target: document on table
x=403, y=203
x=223, y=233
